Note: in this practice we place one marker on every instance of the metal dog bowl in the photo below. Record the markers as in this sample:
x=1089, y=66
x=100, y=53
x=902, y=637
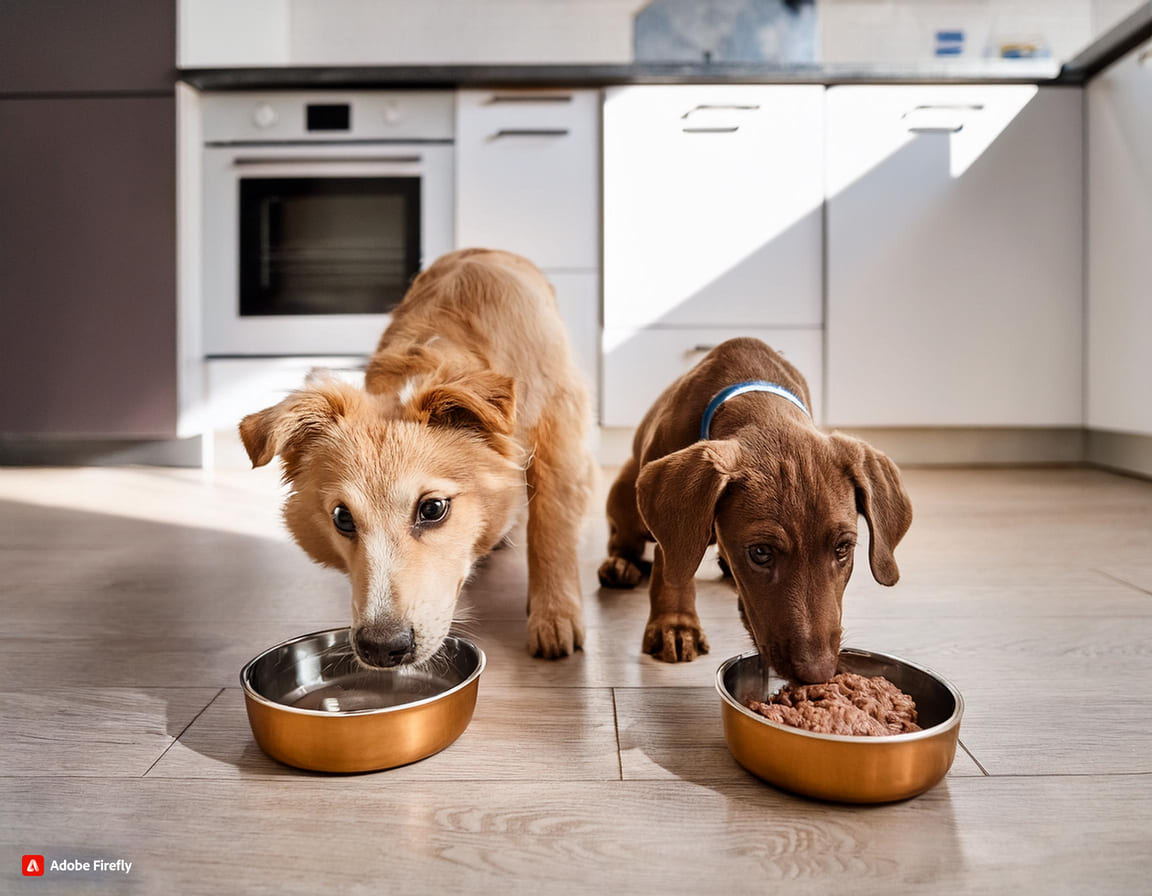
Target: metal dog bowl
x=842, y=768
x=311, y=705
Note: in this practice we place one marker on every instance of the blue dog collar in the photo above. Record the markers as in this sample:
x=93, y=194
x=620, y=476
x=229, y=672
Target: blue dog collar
x=739, y=389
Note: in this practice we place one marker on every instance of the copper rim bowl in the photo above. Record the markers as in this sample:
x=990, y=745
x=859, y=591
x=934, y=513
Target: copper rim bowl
x=312, y=706
x=837, y=767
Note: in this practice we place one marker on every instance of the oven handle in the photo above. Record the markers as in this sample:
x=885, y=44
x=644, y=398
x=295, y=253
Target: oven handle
x=245, y=161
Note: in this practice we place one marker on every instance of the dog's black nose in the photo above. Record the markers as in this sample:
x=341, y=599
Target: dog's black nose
x=384, y=648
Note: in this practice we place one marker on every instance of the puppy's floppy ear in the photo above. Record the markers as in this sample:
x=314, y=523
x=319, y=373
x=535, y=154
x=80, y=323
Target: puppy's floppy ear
x=484, y=402
x=285, y=427
x=880, y=496
x=677, y=494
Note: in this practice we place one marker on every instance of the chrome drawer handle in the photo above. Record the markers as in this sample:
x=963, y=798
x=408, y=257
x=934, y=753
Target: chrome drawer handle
x=529, y=132
x=721, y=107
x=728, y=130
x=499, y=98
x=241, y=161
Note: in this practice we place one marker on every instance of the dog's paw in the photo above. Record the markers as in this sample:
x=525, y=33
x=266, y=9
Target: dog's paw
x=620, y=572
x=675, y=638
x=556, y=634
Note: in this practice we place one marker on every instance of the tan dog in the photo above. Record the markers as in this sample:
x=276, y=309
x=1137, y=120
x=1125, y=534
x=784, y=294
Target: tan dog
x=470, y=396
x=778, y=497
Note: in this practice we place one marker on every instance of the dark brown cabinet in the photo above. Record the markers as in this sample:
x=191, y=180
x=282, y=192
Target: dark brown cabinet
x=87, y=219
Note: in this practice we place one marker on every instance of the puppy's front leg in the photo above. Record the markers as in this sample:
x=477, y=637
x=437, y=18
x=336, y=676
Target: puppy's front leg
x=673, y=633
x=558, y=492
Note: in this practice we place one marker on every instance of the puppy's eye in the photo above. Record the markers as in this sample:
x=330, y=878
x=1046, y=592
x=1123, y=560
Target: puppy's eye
x=843, y=550
x=342, y=520
x=432, y=510
x=760, y=554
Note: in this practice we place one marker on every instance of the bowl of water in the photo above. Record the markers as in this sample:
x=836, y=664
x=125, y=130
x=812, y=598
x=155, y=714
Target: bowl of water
x=313, y=706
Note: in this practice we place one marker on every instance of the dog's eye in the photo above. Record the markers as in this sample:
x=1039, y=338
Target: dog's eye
x=342, y=520
x=843, y=550
x=760, y=554
x=432, y=510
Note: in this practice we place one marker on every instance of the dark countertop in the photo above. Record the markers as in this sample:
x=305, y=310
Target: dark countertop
x=995, y=71
x=1098, y=55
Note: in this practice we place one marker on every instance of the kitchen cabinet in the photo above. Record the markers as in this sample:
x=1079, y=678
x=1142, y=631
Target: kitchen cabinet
x=528, y=174
x=1119, y=319
x=88, y=267
x=954, y=256
x=713, y=199
x=712, y=206
x=528, y=180
x=77, y=46
x=640, y=364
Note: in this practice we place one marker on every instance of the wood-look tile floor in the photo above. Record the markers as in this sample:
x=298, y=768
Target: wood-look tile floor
x=129, y=599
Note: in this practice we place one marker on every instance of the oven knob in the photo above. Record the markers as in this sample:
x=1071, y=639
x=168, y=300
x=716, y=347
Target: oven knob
x=264, y=116
x=392, y=113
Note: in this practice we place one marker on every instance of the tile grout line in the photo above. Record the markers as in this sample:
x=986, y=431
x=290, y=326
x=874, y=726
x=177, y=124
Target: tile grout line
x=184, y=730
x=616, y=728
x=1121, y=581
x=964, y=747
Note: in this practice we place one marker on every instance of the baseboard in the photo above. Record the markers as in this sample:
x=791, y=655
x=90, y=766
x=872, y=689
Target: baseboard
x=21, y=451
x=1123, y=452
x=926, y=446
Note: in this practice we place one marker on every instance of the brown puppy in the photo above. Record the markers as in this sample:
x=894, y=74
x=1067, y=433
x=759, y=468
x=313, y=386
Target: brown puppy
x=778, y=497
x=470, y=396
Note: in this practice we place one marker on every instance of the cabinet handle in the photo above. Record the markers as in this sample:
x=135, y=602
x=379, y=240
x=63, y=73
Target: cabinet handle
x=721, y=107
x=952, y=107
x=728, y=130
x=699, y=349
x=529, y=132
x=940, y=129
x=499, y=98
x=242, y=161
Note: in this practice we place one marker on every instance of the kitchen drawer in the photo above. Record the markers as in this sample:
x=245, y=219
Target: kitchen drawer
x=640, y=364
x=239, y=386
x=713, y=199
x=578, y=295
x=528, y=174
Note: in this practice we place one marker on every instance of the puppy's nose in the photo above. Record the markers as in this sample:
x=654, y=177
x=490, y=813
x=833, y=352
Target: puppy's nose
x=817, y=670
x=384, y=648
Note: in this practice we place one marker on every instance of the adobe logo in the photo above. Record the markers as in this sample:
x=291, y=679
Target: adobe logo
x=32, y=866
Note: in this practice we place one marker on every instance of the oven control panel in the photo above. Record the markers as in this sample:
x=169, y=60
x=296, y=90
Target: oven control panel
x=243, y=117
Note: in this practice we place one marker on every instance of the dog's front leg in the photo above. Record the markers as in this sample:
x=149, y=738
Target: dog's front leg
x=673, y=633
x=558, y=492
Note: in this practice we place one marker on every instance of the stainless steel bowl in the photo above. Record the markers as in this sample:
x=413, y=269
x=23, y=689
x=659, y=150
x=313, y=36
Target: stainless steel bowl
x=312, y=706
x=838, y=767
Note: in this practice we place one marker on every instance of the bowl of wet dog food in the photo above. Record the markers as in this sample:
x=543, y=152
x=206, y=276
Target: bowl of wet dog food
x=884, y=729
x=311, y=705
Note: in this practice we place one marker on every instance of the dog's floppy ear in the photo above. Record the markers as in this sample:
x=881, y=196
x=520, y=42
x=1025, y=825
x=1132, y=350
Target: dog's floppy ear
x=484, y=402
x=285, y=427
x=677, y=494
x=880, y=496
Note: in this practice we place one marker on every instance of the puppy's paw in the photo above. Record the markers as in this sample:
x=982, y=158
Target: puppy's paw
x=555, y=634
x=620, y=572
x=675, y=638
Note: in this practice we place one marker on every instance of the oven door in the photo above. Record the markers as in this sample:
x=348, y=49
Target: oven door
x=308, y=247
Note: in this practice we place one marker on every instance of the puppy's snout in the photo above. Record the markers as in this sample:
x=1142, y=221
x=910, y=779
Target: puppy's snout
x=817, y=670
x=384, y=648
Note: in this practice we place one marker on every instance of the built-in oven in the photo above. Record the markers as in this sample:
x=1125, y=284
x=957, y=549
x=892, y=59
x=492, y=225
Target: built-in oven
x=319, y=209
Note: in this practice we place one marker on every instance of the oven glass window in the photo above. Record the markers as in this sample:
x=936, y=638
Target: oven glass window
x=319, y=245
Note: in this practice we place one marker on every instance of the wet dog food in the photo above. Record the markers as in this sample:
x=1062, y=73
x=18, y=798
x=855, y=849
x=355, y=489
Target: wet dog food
x=848, y=704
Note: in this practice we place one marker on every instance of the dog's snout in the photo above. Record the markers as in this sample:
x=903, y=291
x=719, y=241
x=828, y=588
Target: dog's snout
x=384, y=648
x=816, y=670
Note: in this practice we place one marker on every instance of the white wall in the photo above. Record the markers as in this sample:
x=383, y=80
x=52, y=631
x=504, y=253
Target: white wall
x=221, y=33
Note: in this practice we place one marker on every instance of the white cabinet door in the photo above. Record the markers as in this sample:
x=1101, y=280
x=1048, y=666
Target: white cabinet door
x=1119, y=245
x=640, y=364
x=955, y=227
x=528, y=174
x=578, y=295
x=712, y=205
